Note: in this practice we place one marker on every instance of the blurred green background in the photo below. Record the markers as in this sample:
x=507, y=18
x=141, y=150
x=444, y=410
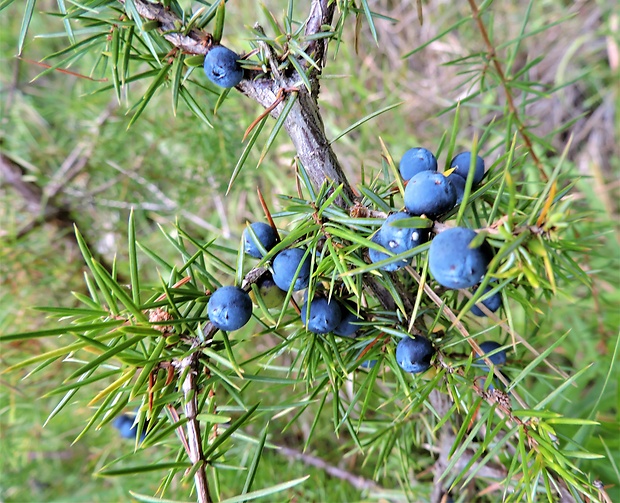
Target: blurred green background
x=171, y=167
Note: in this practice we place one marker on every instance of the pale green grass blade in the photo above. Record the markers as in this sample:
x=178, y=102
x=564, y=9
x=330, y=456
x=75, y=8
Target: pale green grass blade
x=268, y=491
x=363, y=120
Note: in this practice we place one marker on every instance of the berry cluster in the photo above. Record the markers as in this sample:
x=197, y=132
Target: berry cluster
x=418, y=166
x=428, y=193
x=230, y=307
x=453, y=261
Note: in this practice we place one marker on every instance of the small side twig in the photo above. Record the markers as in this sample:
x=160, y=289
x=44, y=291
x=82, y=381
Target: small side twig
x=78, y=158
x=50, y=211
x=191, y=42
x=360, y=483
x=168, y=204
x=189, y=367
x=492, y=54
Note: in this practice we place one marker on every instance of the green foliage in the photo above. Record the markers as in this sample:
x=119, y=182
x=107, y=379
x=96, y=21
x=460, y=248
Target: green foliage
x=136, y=335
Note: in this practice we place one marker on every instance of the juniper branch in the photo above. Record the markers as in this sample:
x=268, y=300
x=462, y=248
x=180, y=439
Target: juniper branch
x=303, y=124
x=192, y=42
x=189, y=367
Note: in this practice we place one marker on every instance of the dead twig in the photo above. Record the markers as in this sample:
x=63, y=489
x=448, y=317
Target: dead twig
x=360, y=483
x=189, y=367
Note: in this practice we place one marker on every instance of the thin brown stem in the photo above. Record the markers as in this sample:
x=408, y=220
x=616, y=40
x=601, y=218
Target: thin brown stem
x=43, y=211
x=193, y=42
x=461, y=328
x=360, y=483
x=492, y=54
x=189, y=366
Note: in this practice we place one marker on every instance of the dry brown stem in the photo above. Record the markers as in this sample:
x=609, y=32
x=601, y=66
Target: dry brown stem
x=189, y=367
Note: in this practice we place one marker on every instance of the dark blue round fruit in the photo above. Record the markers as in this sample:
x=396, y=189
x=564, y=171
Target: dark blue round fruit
x=229, y=308
x=415, y=160
x=458, y=182
x=348, y=323
x=285, y=266
x=414, y=355
x=494, y=383
x=400, y=239
x=491, y=387
x=462, y=162
x=453, y=263
x=324, y=316
x=492, y=303
x=378, y=256
x=429, y=193
x=368, y=364
x=222, y=67
x=265, y=235
x=126, y=427
x=498, y=358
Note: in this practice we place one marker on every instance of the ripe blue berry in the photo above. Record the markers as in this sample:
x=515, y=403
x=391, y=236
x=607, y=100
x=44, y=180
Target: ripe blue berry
x=368, y=364
x=126, y=427
x=229, y=308
x=492, y=303
x=347, y=326
x=415, y=160
x=378, y=256
x=222, y=68
x=414, y=355
x=461, y=163
x=429, y=193
x=266, y=236
x=324, y=316
x=498, y=358
x=453, y=263
x=400, y=239
x=458, y=182
x=285, y=266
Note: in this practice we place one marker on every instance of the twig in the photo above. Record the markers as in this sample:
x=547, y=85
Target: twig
x=126, y=205
x=459, y=326
x=78, y=158
x=53, y=212
x=43, y=202
x=13, y=174
x=360, y=483
x=189, y=366
x=191, y=43
x=515, y=335
x=492, y=54
x=168, y=204
x=303, y=124
x=321, y=14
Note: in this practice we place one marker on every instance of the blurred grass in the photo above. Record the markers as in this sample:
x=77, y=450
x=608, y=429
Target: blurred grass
x=189, y=163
